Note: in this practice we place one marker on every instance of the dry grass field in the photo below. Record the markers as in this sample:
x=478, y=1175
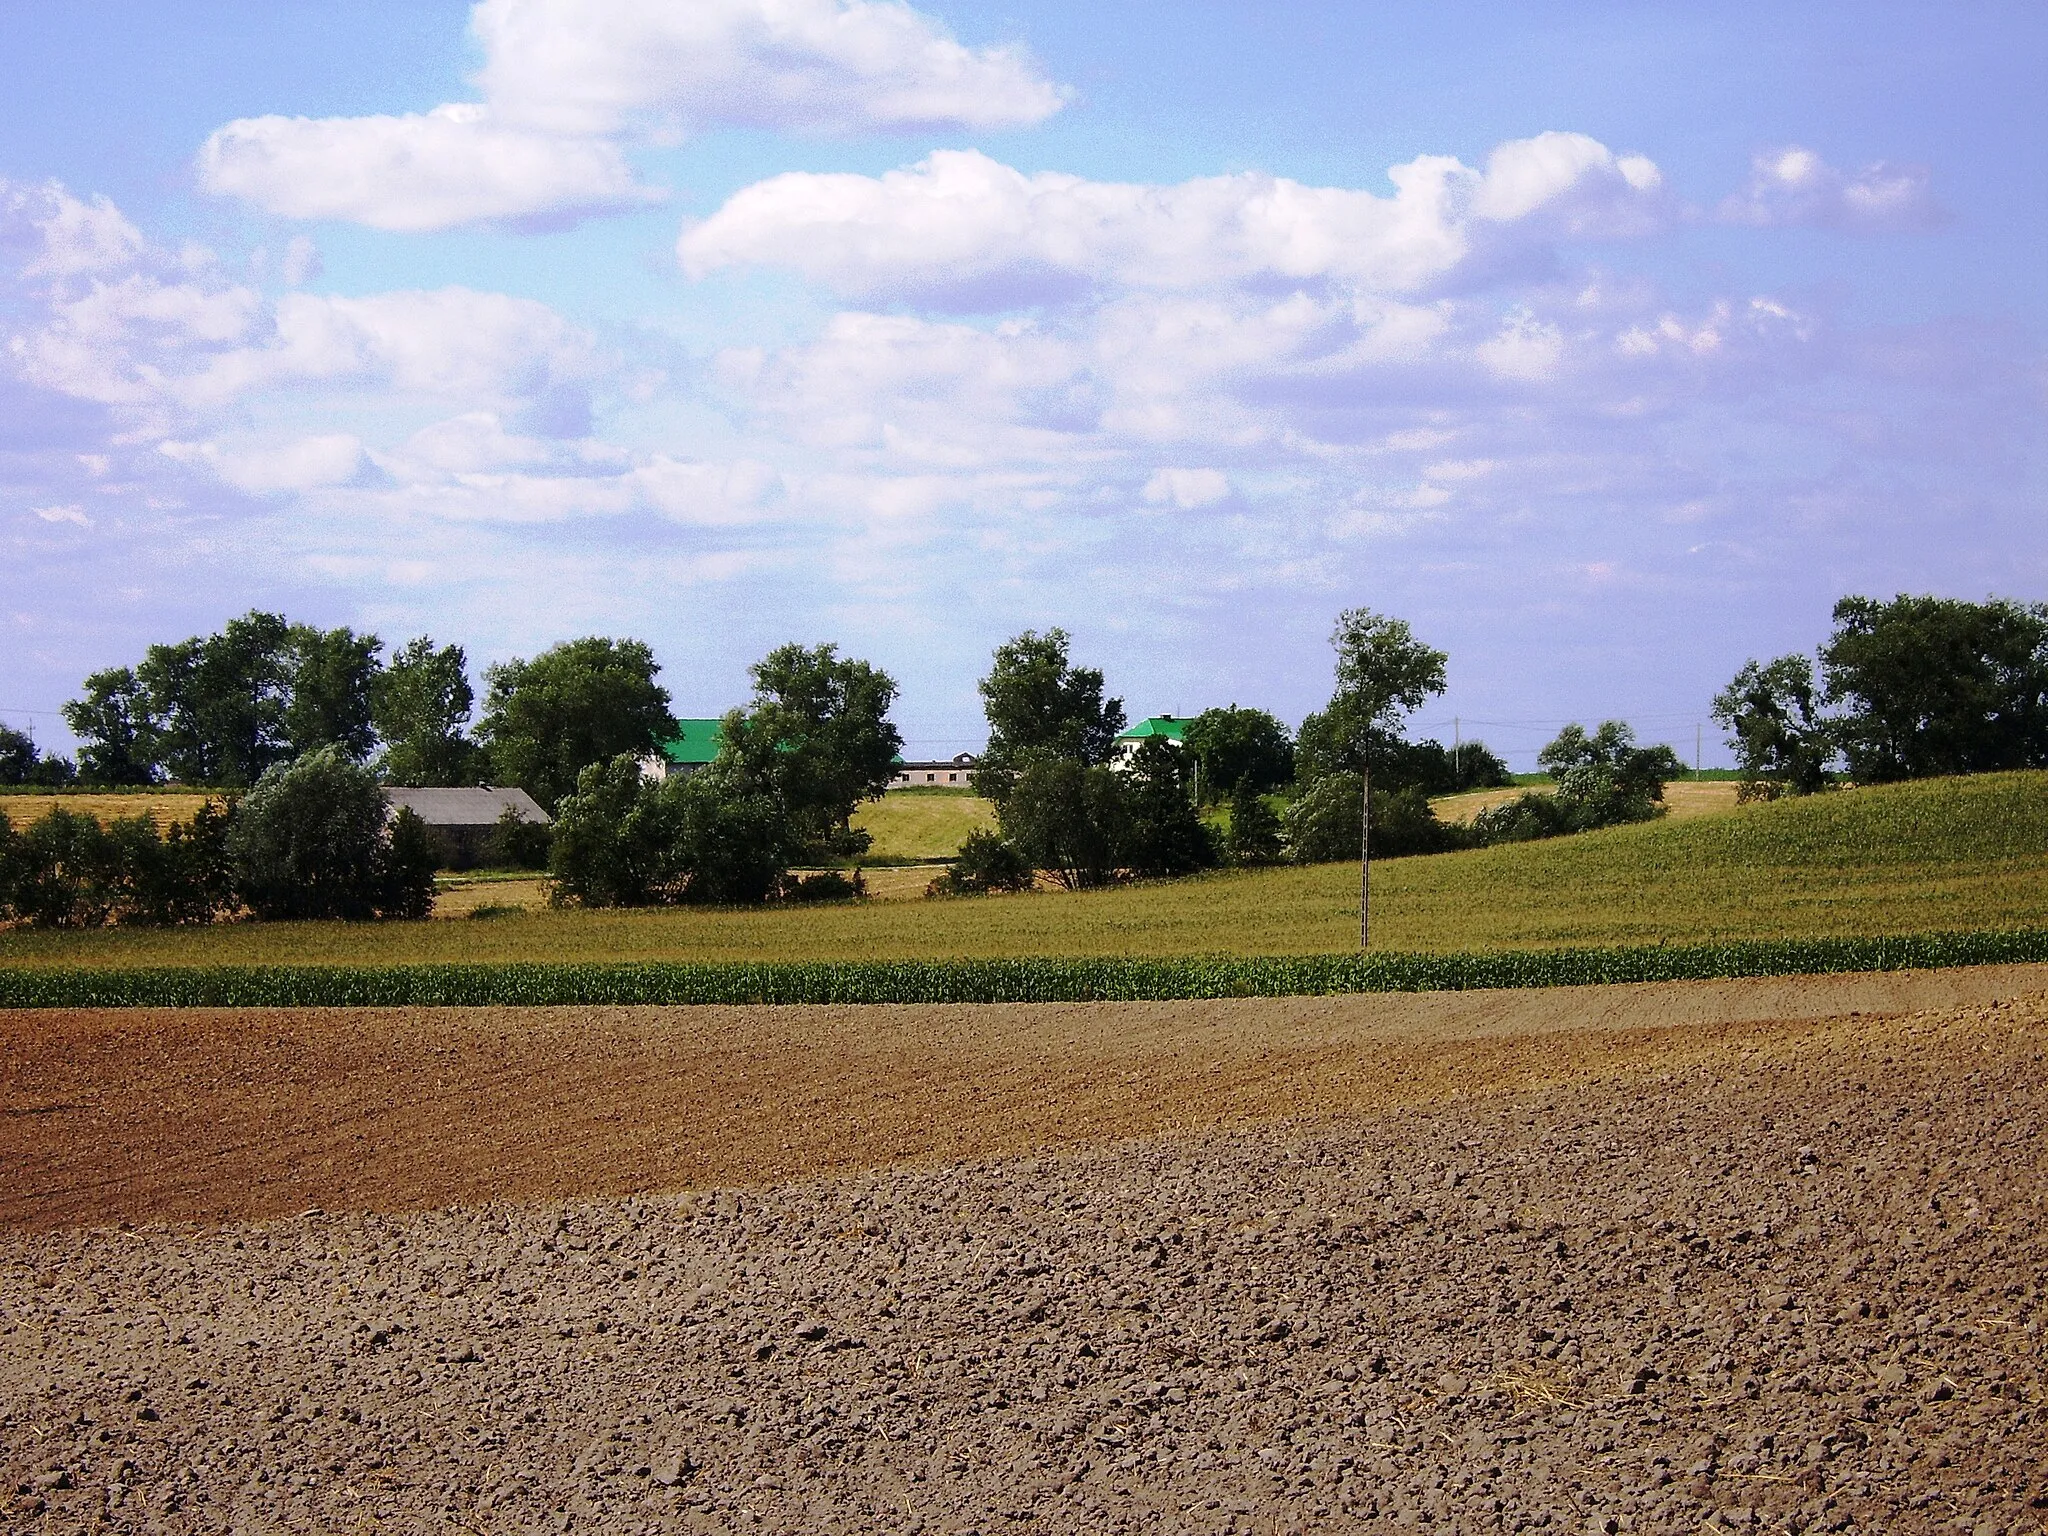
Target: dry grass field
x=163, y=809
x=1683, y=798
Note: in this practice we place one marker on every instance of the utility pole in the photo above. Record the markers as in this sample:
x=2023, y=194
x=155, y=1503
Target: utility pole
x=1457, y=752
x=1365, y=861
x=1696, y=752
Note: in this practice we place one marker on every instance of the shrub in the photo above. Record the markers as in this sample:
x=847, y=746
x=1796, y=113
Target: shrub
x=67, y=872
x=310, y=841
x=1323, y=825
x=184, y=876
x=1066, y=818
x=984, y=863
x=613, y=843
x=825, y=885
x=408, y=868
x=516, y=843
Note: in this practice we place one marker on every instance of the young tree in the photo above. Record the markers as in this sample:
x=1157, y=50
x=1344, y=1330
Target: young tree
x=615, y=838
x=420, y=705
x=835, y=747
x=1040, y=707
x=18, y=756
x=1237, y=745
x=1162, y=834
x=582, y=702
x=1772, y=715
x=1323, y=823
x=1383, y=674
x=1605, y=779
x=1254, y=829
x=1932, y=685
x=984, y=863
x=332, y=677
x=311, y=841
x=117, y=737
x=1066, y=818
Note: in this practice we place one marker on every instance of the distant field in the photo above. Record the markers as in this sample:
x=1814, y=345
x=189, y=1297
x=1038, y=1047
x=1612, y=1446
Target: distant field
x=163, y=808
x=1915, y=858
x=921, y=825
x=1684, y=797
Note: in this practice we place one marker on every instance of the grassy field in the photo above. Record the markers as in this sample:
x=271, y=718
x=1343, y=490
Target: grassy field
x=921, y=824
x=161, y=806
x=1914, y=858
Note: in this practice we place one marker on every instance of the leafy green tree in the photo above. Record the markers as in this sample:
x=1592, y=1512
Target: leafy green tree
x=1162, y=833
x=582, y=702
x=67, y=872
x=115, y=729
x=217, y=702
x=1929, y=685
x=18, y=756
x=182, y=876
x=615, y=838
x=734, y=842
x=406, y=863
x=1066, y=818
x=13, y=864
x=420, y=704
x=1323, y=822
x=828, y=717
x=1254, y=829
x=1237, y=745
x=331, y=677
x=311, y=841
x=1606, y=778
x=1041, y=707
x=1771, y=711
x=1383, y=675
x=516, y=843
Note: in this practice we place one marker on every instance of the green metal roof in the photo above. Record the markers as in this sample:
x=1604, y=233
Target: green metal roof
x=696, y=742
x=1166, y=726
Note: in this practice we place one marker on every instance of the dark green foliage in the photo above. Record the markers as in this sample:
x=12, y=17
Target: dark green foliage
x=1524, y=819
x=1068, y=819
x=67, y=872
x=984, y=863
x=1040, y=707
x=183, y=876
x=18, y=756
x=988, y=981
x=825, y=885
x=1383, y=674
x=1771, y=711
x=1929, y=685
x=309, y=841
x=734, y=841
x=582, y=702
x=113, y=725
x=614, y=839
x=13, y=859
x=835, y=747
x=516, y=843
x=1236, y=746
x=421, y=704
x=407, y=863
x=1254, y=829
x=1322, y=825
x=1440, y=770
x=1163, y=835
x=331, y=678
x=1603, y=780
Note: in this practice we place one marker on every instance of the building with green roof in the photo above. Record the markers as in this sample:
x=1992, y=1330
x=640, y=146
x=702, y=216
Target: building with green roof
x=695, y=743
x=1167, y=728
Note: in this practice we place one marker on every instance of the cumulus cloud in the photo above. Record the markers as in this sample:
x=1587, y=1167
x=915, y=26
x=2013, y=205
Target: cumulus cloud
x=67, y=236
x=1186, y=488
x=1796, y=186
x=570, y=84
x=418, y=172
x=962, y=228
x=300, y=465
x=69, y=513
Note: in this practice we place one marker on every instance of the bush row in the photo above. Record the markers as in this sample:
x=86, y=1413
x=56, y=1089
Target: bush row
x=1043, y=980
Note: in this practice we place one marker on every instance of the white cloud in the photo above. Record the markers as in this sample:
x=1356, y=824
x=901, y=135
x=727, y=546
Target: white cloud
x=569, y=85
x=1186, y=488
x=968, y=230
x=1795, y=186
x=68, y=236
x=65, y=514
x=1525, y=348
x=601, y=66
x=301, y=261
x=423, y=171
x=302, y=465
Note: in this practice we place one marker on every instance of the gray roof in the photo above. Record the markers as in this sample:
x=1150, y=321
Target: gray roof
x=464, y=807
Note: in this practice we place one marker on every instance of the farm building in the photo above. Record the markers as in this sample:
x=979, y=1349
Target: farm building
x=941, y=773
x=460, y=821
x=1168, y=728
x=694, y=745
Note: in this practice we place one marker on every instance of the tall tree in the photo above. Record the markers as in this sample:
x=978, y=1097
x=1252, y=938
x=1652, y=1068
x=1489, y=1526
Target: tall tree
x=1383, y=675
x=333, y=676
x=218, y=702
x=829, y=719
x=1040, y=707
x=116, y=733
x=1930, y=685
x=18, y=756
x=581, y=702
x=1771, y=711
x=421, y=704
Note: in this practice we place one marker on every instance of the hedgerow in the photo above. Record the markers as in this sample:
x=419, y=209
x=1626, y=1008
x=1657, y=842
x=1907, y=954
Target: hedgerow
x=1036, y=980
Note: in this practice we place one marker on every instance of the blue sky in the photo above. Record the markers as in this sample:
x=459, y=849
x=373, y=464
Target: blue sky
x=1606, y=344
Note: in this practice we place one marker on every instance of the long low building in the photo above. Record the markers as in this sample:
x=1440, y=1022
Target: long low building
x=946, y=773
x=460, y=821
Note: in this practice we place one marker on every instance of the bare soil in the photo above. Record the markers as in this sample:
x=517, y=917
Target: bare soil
x=1742, y=1255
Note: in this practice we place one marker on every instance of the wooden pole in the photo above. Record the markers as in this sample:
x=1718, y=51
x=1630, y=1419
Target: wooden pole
x=1365, y=861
